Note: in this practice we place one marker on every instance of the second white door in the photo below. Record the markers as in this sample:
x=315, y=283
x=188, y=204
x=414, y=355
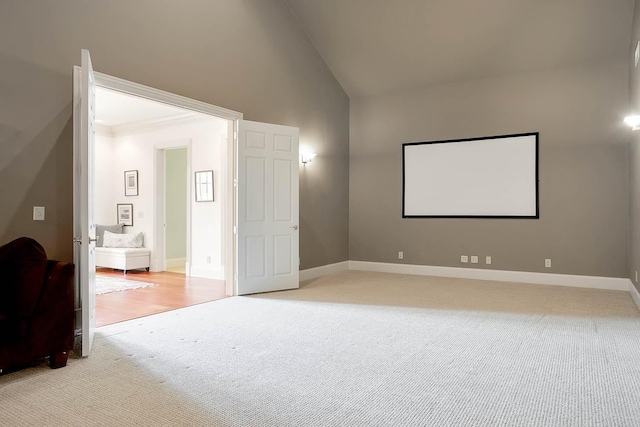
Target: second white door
x=267, y=211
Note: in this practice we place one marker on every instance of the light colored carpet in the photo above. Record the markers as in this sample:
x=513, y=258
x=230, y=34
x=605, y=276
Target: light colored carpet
x=355, y=349
x=107, y=284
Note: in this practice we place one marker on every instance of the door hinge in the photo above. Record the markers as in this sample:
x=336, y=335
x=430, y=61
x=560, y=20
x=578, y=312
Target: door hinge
x=235, y=230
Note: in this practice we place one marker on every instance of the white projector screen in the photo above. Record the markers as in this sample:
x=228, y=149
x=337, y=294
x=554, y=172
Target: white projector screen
x=491, y=177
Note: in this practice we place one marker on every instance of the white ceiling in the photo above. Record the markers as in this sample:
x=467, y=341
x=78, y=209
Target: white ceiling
x=117, y=108
x=379, y=46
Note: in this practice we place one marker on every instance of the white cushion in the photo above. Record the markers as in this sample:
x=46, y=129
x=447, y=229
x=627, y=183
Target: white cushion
x=100, y=229
x=113, y=240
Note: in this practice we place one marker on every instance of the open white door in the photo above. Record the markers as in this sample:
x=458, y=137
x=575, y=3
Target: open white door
x=84, y=230
x=268, y=240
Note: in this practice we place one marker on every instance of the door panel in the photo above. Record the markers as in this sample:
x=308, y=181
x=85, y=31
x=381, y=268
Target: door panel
x=282, y=252
x=254, y=195
x=268, y=240
x=282, y=194
x=83, y=189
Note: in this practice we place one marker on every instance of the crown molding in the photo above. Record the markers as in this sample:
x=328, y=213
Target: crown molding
x=147, y=125
x=103, y=130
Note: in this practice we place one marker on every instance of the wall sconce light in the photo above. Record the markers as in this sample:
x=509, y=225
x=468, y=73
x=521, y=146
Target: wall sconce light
x=633, y=121
x=307, y=157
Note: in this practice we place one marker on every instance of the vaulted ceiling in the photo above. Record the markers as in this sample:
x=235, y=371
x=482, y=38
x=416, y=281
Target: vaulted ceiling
x=380, y=46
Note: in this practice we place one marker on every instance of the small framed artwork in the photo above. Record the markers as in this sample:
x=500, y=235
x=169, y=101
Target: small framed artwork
x=130, y=183
x=204, y=186
x=125, y=214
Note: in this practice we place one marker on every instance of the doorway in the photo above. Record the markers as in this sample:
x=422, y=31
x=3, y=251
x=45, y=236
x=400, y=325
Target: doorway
x=227, y=154
x=261, y=250
x=175, y=166
x=161, y=145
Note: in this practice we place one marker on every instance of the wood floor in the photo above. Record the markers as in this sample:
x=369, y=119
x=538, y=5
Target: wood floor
x=174, y=291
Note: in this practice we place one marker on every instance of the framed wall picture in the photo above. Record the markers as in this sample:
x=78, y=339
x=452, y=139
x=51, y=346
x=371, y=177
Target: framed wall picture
x=204, y=186
x=131, y=183
x=125, y=214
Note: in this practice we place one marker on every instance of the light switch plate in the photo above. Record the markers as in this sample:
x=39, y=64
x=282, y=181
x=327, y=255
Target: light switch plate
x=38, y=213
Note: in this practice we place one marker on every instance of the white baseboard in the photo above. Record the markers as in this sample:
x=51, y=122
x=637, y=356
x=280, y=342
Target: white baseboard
x=634, y=293
x=610, y=283
x=175, y=262
x=314, y=273
x=207, y=272
x=154, y=266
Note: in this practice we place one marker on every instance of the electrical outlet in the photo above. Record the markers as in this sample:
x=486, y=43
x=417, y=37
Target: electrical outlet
x=547, y=263
x=464, y=258
x=474, y=259
x=400, y=255
x=487, y=260
x=38, y=213
x=208, y=259
x=140, y=214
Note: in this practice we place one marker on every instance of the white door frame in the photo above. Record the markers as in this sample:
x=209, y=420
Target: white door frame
x=160, y=204
x=228, y=206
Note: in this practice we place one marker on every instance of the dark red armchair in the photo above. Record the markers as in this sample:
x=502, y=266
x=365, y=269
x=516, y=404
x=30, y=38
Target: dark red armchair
x=37, y=318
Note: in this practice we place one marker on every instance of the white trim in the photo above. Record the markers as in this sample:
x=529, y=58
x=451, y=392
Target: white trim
x=152, y=124
x=227, y=154
x=143, y=91
x=141, y=126
x=170, y=145
x=634, y=293
x=207, y=272
x=611, y=283
x=155, y=265
x=314, y=273
x=159, y=250
x=103, y=130
x=160, y=202
x=175, y=262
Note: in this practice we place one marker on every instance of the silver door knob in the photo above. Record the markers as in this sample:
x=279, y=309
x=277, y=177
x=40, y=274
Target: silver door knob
x=294, y=227
x=79, y=239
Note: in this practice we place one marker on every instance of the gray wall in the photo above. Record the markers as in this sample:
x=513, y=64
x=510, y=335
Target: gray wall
x=246, y=55
x=176, y=201
x=634, y=157
x=583, y=225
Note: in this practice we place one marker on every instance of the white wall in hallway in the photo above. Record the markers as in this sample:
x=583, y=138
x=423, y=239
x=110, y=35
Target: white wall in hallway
x=135, y=151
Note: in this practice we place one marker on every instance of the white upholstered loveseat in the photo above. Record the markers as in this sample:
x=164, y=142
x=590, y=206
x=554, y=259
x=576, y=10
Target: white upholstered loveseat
x=122, y=251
